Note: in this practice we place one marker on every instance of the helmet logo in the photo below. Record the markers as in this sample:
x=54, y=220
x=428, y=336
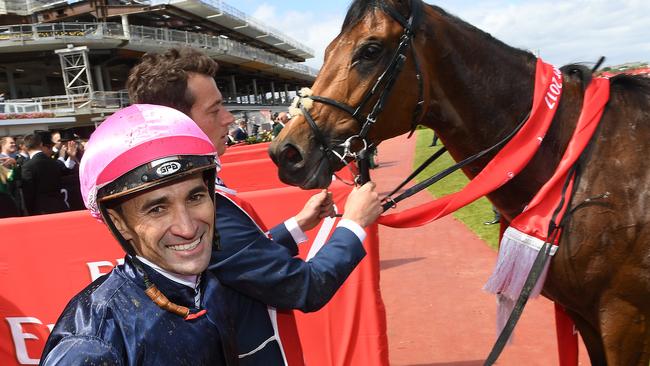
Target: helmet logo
x=168, y=168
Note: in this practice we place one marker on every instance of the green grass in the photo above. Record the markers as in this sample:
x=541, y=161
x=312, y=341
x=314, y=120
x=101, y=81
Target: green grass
x=472, y=215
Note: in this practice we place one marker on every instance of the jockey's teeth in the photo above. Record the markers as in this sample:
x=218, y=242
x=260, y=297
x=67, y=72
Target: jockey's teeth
x=189, y=246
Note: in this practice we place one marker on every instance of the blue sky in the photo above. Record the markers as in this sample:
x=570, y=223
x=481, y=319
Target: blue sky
x=560, y=31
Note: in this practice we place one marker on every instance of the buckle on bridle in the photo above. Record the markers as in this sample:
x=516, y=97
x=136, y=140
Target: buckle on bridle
x=390, y=201
x=347, y=151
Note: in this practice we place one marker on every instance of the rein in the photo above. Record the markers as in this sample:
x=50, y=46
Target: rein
x=392, y=202
x=387, y=81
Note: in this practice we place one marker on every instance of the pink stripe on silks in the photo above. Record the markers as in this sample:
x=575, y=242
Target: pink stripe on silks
x=152, y=150
x=505, y=165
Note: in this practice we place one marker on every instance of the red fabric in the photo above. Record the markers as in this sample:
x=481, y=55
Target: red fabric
x=351, y=328
x=536, y=218
x=506, y=164
x=567, y=338
x=245, y=152
x=538, y=213
x=251, y=175
x=59, y=253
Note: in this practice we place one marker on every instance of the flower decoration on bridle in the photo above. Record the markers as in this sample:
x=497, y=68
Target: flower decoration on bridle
x=302, y=99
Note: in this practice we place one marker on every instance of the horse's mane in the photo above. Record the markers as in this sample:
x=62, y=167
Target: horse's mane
x=639, y=85
x=579, y=70
x=358, y=8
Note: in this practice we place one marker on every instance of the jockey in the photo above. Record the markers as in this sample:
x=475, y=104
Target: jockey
x=148, y=173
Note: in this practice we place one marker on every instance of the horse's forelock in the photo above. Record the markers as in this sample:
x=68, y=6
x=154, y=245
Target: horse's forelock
x=357, y=10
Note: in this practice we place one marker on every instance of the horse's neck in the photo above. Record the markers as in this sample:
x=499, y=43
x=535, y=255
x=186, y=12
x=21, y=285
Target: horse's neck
x=485, y=90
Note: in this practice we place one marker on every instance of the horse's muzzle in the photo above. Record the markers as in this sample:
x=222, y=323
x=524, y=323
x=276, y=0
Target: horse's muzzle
x=296, y=168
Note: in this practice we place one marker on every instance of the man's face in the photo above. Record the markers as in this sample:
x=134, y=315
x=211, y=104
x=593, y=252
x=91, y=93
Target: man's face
x=47, y=149
x=56, y=139
x=171, y=226
x=208, y=111
x=284, y=118
x=9, y=146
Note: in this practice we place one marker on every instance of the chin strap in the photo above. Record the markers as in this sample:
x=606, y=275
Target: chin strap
x=161, y=300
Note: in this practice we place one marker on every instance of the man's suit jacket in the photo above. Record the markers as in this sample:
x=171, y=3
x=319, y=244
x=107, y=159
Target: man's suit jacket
x=41, y=183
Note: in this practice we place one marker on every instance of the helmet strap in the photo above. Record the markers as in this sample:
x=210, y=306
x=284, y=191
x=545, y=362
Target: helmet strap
x=160, y=299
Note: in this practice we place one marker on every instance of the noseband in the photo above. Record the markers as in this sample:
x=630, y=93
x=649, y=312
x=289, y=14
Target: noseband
x=383, y=85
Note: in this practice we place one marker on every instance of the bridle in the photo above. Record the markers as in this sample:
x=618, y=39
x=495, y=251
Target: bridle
x=383, y=87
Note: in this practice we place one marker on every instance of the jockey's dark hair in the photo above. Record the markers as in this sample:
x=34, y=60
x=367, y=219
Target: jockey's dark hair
x=161, y=78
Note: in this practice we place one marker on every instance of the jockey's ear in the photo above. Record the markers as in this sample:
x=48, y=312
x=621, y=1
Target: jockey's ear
x=119, y=222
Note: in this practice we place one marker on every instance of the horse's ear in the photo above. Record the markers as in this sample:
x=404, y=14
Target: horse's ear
x=402, y=6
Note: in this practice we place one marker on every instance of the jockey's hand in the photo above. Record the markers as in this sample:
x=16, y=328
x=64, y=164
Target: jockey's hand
x=317, y=207
x=363, y=205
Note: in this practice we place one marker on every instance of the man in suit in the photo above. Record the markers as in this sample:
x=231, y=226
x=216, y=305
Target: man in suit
x=263, y=267
x=240, y=132
x=41, y=178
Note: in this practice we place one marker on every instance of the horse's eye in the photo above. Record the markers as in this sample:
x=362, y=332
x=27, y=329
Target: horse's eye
x=370, y=52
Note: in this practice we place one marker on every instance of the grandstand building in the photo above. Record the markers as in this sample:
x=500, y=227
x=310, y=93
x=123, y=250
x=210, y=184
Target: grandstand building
x=65, y=63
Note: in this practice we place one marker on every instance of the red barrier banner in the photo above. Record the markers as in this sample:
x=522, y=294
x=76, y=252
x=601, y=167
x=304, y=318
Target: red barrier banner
x=251, y=175
x=238, y=153
x=45, y=260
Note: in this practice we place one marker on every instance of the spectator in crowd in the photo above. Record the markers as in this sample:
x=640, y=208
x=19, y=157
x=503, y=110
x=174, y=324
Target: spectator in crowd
x=22, y=150
x=240, y=131
x=56, y=139
x=41, y=177
x=279, y=122
x=8, y=147
x=496, y=219
x=160, y=307
x=8, y=206
x=2, y=102
x=249, y=261
x=8, y=152
x=10, y=163
x=68, y=149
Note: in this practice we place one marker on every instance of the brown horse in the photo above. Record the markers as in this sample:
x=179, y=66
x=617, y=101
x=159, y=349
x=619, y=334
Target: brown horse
x=475, y=89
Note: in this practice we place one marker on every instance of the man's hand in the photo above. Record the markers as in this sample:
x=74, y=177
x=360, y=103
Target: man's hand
x=363, y=205
x=8, y=162
x=72, y=149
x=317, y=207
x=63, y=150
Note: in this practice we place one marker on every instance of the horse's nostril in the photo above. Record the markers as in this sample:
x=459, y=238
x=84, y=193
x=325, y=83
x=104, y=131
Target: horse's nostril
x=291, y=155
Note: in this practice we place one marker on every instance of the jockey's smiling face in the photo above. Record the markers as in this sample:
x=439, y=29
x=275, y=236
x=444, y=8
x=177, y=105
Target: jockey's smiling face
x=171, y=226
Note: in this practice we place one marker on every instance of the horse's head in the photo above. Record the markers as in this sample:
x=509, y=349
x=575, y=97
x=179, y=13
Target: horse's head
x=361, y=71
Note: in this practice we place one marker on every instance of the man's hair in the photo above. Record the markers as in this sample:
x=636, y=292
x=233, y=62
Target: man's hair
x=20, y=140
x=3, y=141
x=32, y=141
x=162, y=78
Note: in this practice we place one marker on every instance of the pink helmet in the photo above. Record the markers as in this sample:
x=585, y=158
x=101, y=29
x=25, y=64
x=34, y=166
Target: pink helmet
x=139, y=147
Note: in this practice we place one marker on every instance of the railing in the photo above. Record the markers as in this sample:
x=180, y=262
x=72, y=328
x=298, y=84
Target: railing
x=210, y=44
x=225, y=8
x=27, y=7
x=68, y=103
